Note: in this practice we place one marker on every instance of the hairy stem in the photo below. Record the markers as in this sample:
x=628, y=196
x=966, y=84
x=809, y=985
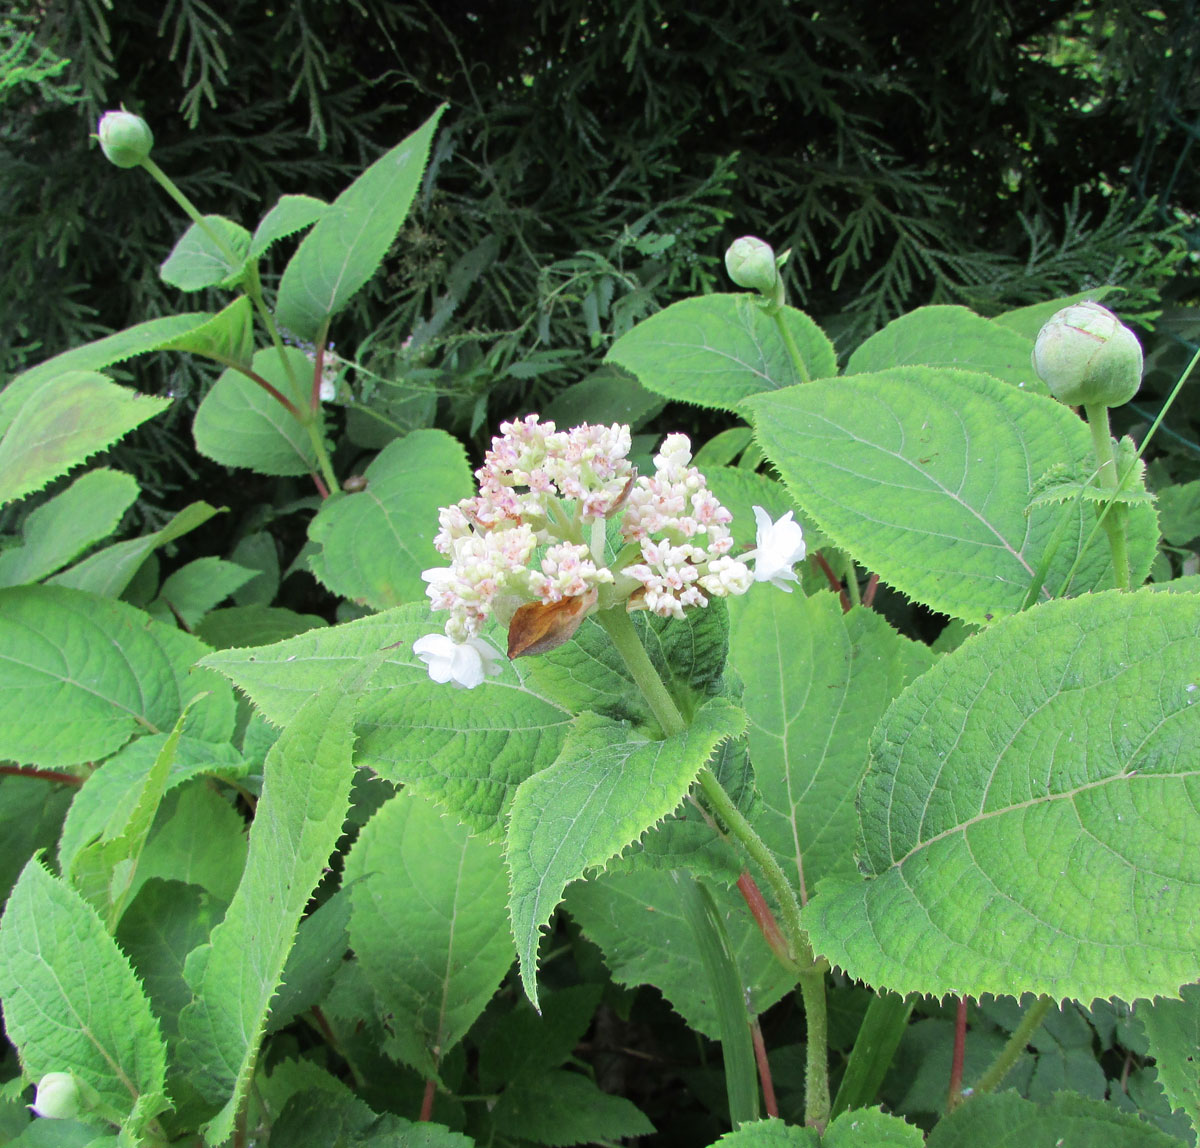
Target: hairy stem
x=1009, y=1054
x=816, y=1049
x=1114, y=521
x=790, y=343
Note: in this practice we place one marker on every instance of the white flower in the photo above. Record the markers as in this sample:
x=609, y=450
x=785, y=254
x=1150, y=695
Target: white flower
x=466, y=664
x=57, y=1097
x=779, y=546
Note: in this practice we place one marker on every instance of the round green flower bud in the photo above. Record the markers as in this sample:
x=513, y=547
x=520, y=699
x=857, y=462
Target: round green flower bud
x=57, y=1097
x=751, y=263
x=1086, y=356
x=125, y=139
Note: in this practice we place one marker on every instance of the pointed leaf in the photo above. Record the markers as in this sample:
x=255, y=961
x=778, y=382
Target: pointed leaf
x=81, y=675
x=1031, y=815
x=375, y=543
x=305, y=796
x=770, y=1133
x=89, y=510
x=228, y=337
x=606, y=788
x=562, y=1108
x=291, y=214
x=815, y=685
x=240, y=424
x=198, y=260
x=924, y=475
x=344, y=250
x=429, y=926
x=716, y=350
x=61, y=423
x=71, y=1000
x=195, y=588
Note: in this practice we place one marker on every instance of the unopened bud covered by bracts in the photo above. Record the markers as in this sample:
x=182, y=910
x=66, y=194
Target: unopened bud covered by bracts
x=57, y=1097
x=751, y=263
x=1087, y=357
x=125, y=139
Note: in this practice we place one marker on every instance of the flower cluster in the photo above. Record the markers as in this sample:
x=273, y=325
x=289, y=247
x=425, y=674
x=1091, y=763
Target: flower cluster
x=534, y=537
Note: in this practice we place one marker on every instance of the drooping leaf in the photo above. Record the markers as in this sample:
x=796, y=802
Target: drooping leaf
x=1173, y=1030
x=716, y=350
x=429, y=926
x=604, y=790
x=352, y=236
x=71, y=999
x=109, y=571
x=375, y=543
x=944, y=336
x=924, y=475
x=211, y=253
x=240, y=424
x=227, y=338
x=1030, y=818
x=305, y=796
x=63, y=421
x=290, y=214
x=1006, y=1120
x=62, y=528
x=81, y=675
x=815, y=685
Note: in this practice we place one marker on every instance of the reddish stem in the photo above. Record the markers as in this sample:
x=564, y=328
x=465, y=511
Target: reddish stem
x=960, y=1050
x=835, y=583
x=868, y=598
x=41, y=774
x=427, y=1102
x=276, y=394
x=322, y=489
x=762, y=914
x=764, y=1068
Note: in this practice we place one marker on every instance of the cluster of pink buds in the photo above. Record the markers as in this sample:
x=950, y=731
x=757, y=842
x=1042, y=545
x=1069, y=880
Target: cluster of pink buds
x=534, y=538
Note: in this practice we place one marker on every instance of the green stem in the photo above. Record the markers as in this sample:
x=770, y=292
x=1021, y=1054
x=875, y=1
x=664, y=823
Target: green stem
x=1114, y=521
x=790, y=343
x=189, y=209
x=618, y=625
x=852, y=590
x=1010, y=1053
x=816, y=1046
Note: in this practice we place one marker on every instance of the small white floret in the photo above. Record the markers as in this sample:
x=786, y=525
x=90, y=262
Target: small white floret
x=465, y=664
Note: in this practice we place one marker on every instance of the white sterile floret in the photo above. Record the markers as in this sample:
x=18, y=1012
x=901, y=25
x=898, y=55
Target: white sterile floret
x=57, y=1097
x=779, y=546
x=466, y=664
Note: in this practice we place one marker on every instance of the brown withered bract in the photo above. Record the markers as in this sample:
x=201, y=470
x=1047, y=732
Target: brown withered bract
x=538, y=627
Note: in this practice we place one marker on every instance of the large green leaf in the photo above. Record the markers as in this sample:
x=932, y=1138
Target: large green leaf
x=863, y=1128
x=564, y=1107
x=375, y=543
x=81, y=675
x=240, y=424
x=72, y=1002
x=1173, y=1030
x=946, y=336
x=637, y=919
x=606, y=788
x=815, y=684
x=352, y=236
x=211, y=253
x=62, y=528
x=429, y=926
x=924, y=476
x=305, y=797
x=716, y=350
x=1031, y=818
x=61, y=423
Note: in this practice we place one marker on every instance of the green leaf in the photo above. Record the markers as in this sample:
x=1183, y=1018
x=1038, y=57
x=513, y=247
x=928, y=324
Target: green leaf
x=1005, y=1120
x=1030, y=816
x=72, y=1002
x=875, y=1045
x=1028, y=321
x=924, y=475
x=81, y=675
x=607, y=395
x=305, y=796
x=61, y=423
x=562, y=1108
x=871, y=1128
x=321, y=945
x=1173, y=1030
x=235, y=625
x=606, y=788
x=31, y=815
x=291, y=214
x=375, y=543
x=109, y=571
x=344, y=250
x=227, y=337
x=429, y=926
x=1178, y=512
x=89, y=510
x=816, y=682
x=946, y=336
x=716, y=350
x=198, y=260
x=240, y=424
x=195, y=588
x=770, y=1133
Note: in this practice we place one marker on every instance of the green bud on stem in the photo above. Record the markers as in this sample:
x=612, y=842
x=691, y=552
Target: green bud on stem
x=1087, y=357
x=57, y=1097
x=124, y=138
x=751, y=263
